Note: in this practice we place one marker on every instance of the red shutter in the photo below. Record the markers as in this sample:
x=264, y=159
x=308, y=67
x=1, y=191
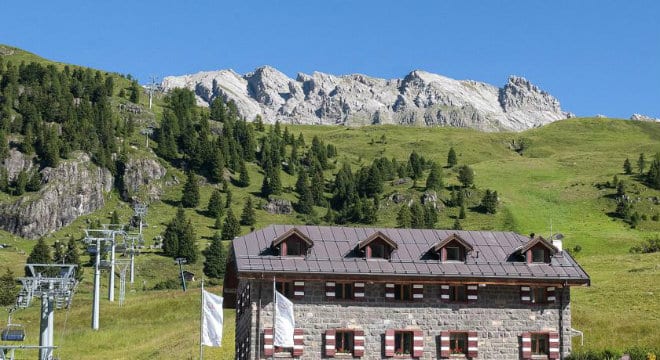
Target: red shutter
x=444, y=293
x=473, y=343
x=358, y=291
x=418, y=291
x=389, y=342
x=526, y=346
x=298, y=341
x=358, y=343
x=389, y=291
x=268, y=341
x=525, y=295
x=444, y=344
x=550, y=293
x=418, y=343
x=330, y=290
x=330, y=342
x=472, y=292
x=553, y=338
x=298, y=290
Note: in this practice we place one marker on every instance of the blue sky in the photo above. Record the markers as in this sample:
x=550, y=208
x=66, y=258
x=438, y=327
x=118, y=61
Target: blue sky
x=596, y=57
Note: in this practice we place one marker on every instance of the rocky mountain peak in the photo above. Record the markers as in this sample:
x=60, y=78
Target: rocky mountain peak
x=420, y=98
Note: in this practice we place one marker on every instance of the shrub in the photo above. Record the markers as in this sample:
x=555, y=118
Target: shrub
x=647, y=247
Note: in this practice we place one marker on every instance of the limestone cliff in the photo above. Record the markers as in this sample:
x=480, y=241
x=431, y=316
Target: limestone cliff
x=420, y=98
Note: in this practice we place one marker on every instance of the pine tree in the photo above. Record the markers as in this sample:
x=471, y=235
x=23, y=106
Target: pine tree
x=404, y=217
x=216, y=258
x=248, y=216
x=430, y=216
x=229, y=198
x=627, y=168
x=451, y=158
x=244, y=177
x=21, y=183
x=305, y=203
x=4, y=146
x=8, y=289
x=457, y=225
x=188, y=244
x=461, y=213
x=653, y=175
x=415, y=166
x=59, y=253
x=218, y=222
x=489, y=202
x=73, y=257
x=641, y=163
x=173, y=232
x=40, y=254
x=466, y=176
x=216, y=205
x=190, y=196
x=434, y=180
x=417, y=216
x=231, y=227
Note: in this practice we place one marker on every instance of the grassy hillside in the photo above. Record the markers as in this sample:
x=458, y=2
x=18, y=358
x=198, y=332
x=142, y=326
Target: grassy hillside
x=548, y=179
x=554, y=183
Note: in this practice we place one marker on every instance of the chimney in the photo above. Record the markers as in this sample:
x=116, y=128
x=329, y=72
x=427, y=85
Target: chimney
x=558, y=244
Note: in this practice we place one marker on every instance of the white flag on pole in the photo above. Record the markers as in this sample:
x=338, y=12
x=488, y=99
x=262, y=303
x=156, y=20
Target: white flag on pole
x=284, y=322
x=211, y=319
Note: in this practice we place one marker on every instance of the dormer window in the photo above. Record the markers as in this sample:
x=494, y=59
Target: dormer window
x=452, y=248
x=292, y=243
x=538, y=255
x=537, y=251
x=454, y=253
x=377, y=246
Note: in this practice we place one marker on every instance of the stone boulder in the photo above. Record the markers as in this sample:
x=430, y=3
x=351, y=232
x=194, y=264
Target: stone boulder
x=278, y=206
x=74, y=188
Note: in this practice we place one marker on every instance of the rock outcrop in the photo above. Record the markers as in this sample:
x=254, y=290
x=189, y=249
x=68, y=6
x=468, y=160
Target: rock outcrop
x=641, y=117
x=141, y=178
x=420, y=98
x=75, y=187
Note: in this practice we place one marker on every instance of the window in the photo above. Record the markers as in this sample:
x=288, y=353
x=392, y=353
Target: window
x=379, y=251
x=540, y=344
x=454, y=253
x=538, y=295
x=295, y=247
x=458, y=343
x=285, y=288
x=344, y=342
x=402, y=292
x=344, y=291
x=538, y=255
x=403, y=342
x=457, y=293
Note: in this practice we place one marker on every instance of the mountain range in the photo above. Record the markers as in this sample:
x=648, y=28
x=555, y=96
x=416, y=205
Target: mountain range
x=420, y=98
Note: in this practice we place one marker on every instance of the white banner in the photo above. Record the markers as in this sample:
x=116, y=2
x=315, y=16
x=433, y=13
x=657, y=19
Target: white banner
x=284, y=322
x=211, y=319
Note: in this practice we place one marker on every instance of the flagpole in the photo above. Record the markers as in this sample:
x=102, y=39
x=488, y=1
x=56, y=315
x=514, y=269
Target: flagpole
x=274, y=316
x=201, y=325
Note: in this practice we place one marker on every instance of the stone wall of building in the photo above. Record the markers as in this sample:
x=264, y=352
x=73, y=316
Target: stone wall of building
x=497, y=316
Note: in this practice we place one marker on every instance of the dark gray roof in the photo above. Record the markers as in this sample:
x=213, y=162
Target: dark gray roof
x=334, y=252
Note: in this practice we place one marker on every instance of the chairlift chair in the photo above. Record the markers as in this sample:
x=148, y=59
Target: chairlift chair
x=13, y=332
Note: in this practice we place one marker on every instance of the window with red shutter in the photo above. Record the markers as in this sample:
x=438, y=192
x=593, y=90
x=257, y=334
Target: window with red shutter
x=330, y=342
x=298, y=342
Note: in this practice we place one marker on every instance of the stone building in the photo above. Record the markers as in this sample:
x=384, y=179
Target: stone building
x=376, y=293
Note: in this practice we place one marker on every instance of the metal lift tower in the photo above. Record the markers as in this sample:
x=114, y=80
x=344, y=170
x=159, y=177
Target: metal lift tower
x=55, y=283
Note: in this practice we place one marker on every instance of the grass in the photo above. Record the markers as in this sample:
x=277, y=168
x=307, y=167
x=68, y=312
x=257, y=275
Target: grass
x=554, y=185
